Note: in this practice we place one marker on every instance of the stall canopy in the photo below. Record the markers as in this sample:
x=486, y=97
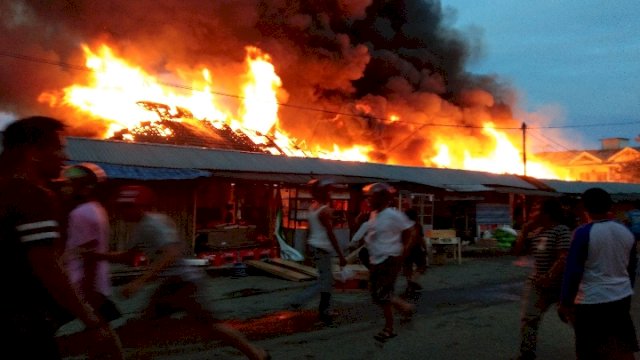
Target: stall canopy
x=124, y=172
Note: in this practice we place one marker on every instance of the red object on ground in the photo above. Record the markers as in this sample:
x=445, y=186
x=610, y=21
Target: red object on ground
x=140, y=260
x=228, y=257
x=264, y=253
x=248, y=254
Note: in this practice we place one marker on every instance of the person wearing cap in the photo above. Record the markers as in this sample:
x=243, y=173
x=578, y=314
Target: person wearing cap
x=598, y=283
x=180, y=287
x=388, y=234
x=87, y=245
x=32, y=233
x=324, y=247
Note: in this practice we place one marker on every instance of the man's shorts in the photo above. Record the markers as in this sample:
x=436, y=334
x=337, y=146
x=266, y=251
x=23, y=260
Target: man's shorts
x=604, y=329
x=382, y=279
x=175, y=294
x=418, y=256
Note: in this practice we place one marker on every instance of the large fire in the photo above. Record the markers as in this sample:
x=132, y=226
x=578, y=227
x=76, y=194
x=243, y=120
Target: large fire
x=114, y=89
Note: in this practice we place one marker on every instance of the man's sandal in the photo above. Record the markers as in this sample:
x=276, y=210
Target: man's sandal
x=385, y=335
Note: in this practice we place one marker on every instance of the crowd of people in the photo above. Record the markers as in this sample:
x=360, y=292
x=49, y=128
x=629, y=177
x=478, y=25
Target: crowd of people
x=587, y=272
x=58, y=266
x=57, y=232
x=33, y=229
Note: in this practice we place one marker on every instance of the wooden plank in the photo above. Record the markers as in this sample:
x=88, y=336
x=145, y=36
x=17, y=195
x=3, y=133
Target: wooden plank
x=278, y=270
x=295, y=266
x=353, y=256
x=442, y=233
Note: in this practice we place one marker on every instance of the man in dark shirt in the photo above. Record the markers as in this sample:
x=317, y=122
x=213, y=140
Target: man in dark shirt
x=32, y=239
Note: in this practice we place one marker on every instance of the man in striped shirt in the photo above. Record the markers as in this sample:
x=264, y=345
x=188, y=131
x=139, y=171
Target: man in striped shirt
x=598, y=283
x=546, y=238
x=30, y=234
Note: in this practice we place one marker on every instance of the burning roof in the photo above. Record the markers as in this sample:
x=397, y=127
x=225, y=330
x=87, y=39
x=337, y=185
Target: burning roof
x=179, y=127
x=368, y=80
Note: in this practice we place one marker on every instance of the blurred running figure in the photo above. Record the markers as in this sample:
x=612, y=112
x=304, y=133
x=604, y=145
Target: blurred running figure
x=598, y=284
x=324, y=247
x=87, y=245
x=155, y=235
x=388, y=231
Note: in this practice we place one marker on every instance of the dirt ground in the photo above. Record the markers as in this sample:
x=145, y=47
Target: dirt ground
x=467, y=311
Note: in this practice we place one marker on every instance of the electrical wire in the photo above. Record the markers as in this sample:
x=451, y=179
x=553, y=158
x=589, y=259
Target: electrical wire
x=307, y=108
x=548, y=140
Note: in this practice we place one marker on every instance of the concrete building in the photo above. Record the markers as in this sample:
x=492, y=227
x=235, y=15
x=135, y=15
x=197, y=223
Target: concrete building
x=606, y=164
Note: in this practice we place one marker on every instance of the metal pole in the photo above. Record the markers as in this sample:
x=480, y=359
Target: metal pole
x=524, y=147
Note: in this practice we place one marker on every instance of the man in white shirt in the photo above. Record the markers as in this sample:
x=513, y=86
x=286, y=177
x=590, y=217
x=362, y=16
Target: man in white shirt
x=324, y=246
x=388, y=233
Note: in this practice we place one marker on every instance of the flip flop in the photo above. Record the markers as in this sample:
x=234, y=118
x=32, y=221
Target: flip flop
x=385, y=335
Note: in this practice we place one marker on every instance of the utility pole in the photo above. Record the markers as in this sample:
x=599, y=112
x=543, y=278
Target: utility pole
x=525, y=215
x=524, y=147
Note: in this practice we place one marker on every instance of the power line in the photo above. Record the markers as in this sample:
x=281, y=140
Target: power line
x=589, y=125
x=548, y=140
x=46, y=61
x=307, y=108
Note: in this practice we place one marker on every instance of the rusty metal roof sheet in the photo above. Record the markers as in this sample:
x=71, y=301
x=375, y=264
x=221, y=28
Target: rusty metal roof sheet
x=185, y=157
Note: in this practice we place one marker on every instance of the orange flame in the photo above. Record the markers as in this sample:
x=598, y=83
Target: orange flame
x=261, y=105
x=504, y=158
x=114, y=87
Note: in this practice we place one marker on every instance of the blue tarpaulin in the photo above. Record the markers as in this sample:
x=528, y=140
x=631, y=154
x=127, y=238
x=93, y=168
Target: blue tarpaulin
x=126, y=172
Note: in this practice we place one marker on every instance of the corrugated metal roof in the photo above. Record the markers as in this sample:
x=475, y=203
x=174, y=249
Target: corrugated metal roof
x=468, y=188
x=292, y=178
x=578, y=187
x=183, y=157
x=510, y=190
x=124, y=172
